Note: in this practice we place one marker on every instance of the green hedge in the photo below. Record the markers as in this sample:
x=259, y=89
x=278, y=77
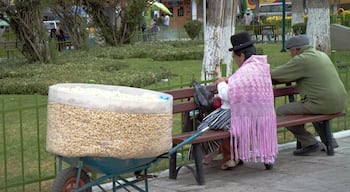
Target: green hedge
x=103, y=65
x=193, y=28
x=299, y=28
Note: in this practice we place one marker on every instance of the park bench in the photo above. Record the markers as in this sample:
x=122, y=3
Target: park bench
x=262, y=30
x=67, y=45
x=10, y=46
x=183, y=102
x=64, y=45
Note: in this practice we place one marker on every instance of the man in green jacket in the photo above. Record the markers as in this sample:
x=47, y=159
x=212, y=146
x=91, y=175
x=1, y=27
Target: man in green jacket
x=321, y=90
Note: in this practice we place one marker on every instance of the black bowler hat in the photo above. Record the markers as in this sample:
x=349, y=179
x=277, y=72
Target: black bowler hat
x=240, y=41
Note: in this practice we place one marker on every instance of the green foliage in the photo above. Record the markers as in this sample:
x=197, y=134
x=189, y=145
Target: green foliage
x=178, y=55
x=346, y=18
x=277, y=20
x=131, y=19
x=53, y=50
x=138, y=65
x=182, y=44
x=119, y=65
x=166, y=51
x=193, y=28
x=299, y=28
x=19, y=87
x=127, y=22
x=260, y=51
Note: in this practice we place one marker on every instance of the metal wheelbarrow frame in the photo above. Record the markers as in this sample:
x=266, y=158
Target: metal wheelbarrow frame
x=76, y=178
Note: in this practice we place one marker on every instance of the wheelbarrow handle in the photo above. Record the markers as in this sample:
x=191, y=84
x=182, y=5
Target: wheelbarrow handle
x=186, y=141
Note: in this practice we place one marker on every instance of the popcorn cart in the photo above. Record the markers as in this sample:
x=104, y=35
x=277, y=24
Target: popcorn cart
x=109, y=130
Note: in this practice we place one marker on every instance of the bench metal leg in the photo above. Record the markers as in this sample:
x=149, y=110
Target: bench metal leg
x=172, y=166
x=328, y=134
x=198, y=173
x=197, y=152
x=298, y=145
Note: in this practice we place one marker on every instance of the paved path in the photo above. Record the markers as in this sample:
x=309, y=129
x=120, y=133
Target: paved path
x=319, y=172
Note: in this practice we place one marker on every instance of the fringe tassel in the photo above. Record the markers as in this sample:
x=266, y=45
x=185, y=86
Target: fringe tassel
x=255, y=138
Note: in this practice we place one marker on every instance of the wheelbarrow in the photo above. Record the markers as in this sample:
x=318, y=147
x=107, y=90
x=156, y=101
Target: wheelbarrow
x=76, y=178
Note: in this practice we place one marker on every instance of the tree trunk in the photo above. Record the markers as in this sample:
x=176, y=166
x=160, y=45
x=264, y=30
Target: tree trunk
x=229, y=19
x=26, y=21
x=297, y=12
x=74, y=24
x=318, y=15
x=212, y=41
x=117, y=28
x=102, y=22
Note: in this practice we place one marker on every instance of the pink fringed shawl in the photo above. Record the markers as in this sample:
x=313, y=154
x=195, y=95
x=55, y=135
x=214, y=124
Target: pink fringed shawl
x=253, y=118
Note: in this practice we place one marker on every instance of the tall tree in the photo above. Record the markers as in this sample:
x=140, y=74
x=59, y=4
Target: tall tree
x=74, y=23
x=212, y=41
x=116, y=26
x=318, y=15
x=219, y=28
x=26, y=21
x=297, y=12
x=101, y=20
x=229, y=19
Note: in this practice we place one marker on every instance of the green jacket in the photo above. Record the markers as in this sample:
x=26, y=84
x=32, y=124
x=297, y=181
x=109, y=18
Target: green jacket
x=320, y=87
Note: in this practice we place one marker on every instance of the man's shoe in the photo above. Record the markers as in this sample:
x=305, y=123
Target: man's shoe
x=309, y=149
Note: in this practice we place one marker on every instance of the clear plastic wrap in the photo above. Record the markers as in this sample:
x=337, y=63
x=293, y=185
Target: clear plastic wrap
x=108, y=121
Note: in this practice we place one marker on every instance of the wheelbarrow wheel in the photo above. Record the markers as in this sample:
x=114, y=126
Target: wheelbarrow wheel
x=65, y=181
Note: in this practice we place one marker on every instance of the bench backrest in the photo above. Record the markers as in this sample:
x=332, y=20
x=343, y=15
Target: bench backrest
x=10, y=43
x=258, y=29
x=287, y=90
x=183, y=98
x=184, y=102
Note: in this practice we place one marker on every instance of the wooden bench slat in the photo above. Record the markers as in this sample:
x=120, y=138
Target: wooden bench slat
x=181, y=93
x=285, y=91
x=184, y=106
x=282, y=121
x=184, y=93
x=293, y=120
x=9, y=43
x=208, y=135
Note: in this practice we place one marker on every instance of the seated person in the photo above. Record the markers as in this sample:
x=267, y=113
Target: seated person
x=321, y=90
x=248, y=108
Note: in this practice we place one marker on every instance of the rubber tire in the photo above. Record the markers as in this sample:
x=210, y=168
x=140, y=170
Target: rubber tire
x=65, y=180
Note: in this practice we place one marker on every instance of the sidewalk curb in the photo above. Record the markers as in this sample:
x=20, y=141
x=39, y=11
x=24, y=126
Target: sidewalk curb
x=292, y=144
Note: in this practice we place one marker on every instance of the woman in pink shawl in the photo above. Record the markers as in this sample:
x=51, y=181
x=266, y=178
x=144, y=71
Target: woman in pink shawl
x=250, y=94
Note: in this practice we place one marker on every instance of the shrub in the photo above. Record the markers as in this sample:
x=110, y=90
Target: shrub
x=178, y=55
x=277, y=20
x=193, y=28
x=115, y=66
x=299, y=28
